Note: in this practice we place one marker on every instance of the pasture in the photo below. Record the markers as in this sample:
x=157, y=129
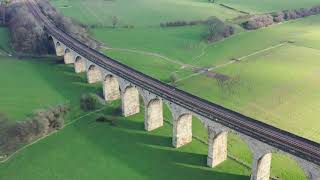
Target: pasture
x=276, y=81
x=88, y=149
x=140, y=12
x=253, y=6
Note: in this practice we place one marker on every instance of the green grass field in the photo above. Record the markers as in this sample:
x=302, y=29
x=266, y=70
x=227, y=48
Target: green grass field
x=254, y=6
x=276, y=82
x=88, y=149
x=99, y=12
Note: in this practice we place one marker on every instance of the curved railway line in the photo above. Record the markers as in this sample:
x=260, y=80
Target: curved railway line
x=273, y=136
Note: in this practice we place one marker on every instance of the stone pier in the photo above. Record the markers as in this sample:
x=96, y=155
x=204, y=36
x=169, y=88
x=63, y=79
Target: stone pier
x=79, y=65
x=153, y=114
x=59, y=49
x=68, y=57
x=182, y=130
x=93, y=74
x=261, y=167
x=217, y=147
x=130, y=101
x=111, y=88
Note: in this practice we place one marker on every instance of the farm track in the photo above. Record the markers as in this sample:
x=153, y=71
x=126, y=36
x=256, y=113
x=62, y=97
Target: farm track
x=232, y=62
x=275, y=137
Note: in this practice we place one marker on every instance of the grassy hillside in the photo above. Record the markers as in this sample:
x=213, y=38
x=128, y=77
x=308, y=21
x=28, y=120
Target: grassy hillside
x=278, y=87
x=185, y=44
x=276, y=82
x=87, y=149
x=144, y=12
x=91, y=150
x=104, y=151
x=254, y=6
x=96, y=147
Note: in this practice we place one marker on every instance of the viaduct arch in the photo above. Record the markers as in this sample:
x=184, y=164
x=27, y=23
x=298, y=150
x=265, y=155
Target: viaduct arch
x=262, y=139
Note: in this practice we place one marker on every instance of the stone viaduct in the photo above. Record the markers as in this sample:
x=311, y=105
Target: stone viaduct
x=115, y=87
x=219, y=122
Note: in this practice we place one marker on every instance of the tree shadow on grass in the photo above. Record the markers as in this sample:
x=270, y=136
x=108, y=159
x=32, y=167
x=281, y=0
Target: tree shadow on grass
x=150, y=154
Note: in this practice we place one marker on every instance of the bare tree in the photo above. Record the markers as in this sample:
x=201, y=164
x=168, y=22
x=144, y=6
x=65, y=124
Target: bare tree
x=115, y=21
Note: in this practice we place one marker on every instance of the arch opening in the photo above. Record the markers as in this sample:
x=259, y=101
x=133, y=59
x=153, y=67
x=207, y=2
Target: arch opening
x=291, y=170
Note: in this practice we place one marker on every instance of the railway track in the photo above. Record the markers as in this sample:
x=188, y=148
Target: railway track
x=273, y=136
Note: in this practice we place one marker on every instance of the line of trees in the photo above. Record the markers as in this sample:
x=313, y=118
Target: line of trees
x=182, y=23
x=73, y=28
x=28, y=35
x=15, y=134
x=265, y=20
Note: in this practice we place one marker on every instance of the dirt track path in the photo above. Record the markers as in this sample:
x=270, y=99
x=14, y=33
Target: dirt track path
x=233, y=61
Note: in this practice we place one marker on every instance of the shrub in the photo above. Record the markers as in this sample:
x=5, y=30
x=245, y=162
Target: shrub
x=268, y=19
x=278, y=16
x=90, y=102
x=173, y=78
x=259, y=22
x=104, y=118
x=216, y=29
x=181, y=23
x=27, y=34
x=14, y=135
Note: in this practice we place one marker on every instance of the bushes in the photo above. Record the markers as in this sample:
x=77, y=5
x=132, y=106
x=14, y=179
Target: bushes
x=181, y=23
x=259, y=22
x=286, y=15
x=90, y=102
x=27, y=34
x=69, y=26
x=13, y=135
x=106, y=119
x=217, y=30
